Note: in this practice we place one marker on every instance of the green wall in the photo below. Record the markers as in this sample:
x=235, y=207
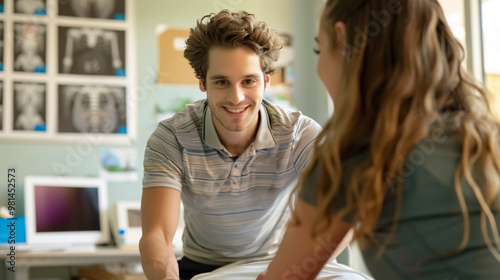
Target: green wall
x=297, y=17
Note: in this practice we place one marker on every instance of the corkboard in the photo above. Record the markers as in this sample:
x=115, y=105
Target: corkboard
x=173, y=67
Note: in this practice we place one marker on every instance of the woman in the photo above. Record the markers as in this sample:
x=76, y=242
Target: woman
x=410, y=161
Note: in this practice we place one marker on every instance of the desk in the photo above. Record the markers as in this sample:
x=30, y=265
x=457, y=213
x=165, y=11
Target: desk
x=27, y=259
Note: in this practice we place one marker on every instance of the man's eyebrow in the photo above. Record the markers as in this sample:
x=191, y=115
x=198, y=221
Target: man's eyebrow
x=218, y=77
x=316, y=39
x=255, y=76
x=222, y=77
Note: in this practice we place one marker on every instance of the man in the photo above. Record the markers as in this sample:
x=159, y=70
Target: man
x=234, y=156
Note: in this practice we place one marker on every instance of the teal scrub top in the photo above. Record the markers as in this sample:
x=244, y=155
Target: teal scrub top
x=430, y=221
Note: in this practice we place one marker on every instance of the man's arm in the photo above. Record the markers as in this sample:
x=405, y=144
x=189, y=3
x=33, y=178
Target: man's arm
x=160, y=217
x=301, y=257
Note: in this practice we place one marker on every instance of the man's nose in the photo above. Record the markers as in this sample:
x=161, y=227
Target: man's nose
x=236, y=95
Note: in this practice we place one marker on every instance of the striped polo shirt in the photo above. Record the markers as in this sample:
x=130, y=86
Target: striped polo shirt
x=234, y=207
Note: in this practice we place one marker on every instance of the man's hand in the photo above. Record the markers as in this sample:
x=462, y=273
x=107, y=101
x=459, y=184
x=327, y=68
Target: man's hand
x=161, y=265
x=262, y=275
x=172, y=267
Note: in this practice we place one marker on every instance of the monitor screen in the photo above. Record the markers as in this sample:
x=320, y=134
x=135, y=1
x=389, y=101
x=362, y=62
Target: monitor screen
x=56, y=208
x=67, y=210
x=134, y=217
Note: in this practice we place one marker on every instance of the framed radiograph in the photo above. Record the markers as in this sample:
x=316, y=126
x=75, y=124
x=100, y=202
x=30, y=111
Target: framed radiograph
x=30, y=7
x=29, y=106
x=29, y=47
x=102, y=9
x=92, y=109
x=67, y=70
x=91, y=51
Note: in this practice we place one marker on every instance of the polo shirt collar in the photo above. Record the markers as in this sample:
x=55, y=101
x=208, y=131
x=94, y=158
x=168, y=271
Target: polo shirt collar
x=263, y=140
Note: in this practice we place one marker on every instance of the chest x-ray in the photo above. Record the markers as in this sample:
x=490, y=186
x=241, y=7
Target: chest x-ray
x=29, y=6
x=105, y=9
x=1, y=106
x=92, y=109
x=29, y=47
x=29, y=105
x=91, y=51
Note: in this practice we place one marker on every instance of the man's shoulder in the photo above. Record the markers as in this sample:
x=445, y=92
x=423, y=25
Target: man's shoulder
x=187, y=120
x=287, y=118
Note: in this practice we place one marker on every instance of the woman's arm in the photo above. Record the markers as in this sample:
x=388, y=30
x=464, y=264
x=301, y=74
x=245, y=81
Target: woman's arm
x=299, y=256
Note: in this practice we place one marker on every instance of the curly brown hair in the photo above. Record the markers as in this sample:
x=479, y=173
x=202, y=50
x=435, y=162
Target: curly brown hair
x=231, y=30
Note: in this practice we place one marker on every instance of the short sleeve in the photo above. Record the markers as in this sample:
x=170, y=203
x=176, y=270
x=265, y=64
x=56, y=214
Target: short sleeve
x=308, y=191
x=163, y=160
x=306, y=132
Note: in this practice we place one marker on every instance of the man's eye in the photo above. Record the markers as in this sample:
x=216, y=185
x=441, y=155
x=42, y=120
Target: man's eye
x=248, y=81
x=221, y=83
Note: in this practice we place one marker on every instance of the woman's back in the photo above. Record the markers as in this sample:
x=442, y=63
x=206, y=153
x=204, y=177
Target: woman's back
x=431, y=221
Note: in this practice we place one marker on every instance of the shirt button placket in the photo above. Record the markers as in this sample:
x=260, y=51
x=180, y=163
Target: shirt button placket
x=235, y=174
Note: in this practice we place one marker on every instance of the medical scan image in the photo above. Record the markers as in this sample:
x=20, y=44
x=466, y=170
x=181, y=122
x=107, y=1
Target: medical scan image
x=91, y=51
x=103, y=9
x=29, y=47
x=29, y=106
x=29, y=6
x=92, y=109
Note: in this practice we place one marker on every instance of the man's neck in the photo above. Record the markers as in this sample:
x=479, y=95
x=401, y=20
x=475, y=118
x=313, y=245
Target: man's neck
x=237, y=142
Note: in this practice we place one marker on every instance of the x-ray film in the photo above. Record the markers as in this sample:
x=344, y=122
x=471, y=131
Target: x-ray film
x=29, y=47
x=104, y=9
x=32, y=7
x=91, y=51
x=92, y=109
x=29, y=106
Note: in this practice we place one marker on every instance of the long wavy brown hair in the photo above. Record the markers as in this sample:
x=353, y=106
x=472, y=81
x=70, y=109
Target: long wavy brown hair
x=397, y=80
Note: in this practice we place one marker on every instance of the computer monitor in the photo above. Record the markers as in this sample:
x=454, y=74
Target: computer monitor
x=126, y=224
x=63, y=210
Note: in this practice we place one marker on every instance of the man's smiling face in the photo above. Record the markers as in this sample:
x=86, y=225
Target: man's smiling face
x=235, y=85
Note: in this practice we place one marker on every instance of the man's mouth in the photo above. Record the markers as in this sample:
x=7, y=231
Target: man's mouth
x=235, y=111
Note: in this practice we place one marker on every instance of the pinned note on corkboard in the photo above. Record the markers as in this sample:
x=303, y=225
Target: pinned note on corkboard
x=173, y=68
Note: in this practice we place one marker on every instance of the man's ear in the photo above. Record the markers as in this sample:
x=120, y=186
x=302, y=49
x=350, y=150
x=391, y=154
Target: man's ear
x=201, y=82
x=268, y=82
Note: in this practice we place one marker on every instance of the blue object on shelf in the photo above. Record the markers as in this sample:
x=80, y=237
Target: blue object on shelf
x=120, y=72
x=119, y=16
x=41, y=127
x=40, y=12
x=1, y=66
x=13, y=230
x=40, y=69
x=1, y=8
x=122, y=129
